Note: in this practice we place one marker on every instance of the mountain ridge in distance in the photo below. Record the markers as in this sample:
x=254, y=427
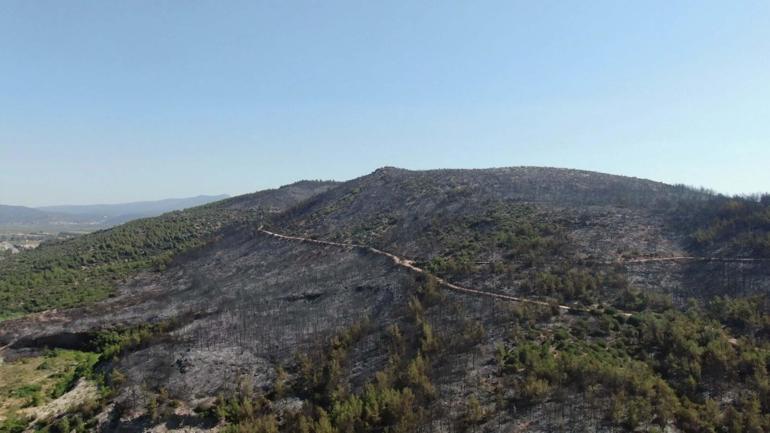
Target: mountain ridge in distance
x=134, y=207
x=93, y=217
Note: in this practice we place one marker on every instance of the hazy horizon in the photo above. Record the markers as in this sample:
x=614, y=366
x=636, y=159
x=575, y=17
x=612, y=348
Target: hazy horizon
x=107, y=102
x=133, y=202
x=228, y=195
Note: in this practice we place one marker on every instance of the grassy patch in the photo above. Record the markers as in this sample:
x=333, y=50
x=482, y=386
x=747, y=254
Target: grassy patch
x=34, y=381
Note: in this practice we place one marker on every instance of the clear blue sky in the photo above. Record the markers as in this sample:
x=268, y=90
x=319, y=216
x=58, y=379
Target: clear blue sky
x=108, y=101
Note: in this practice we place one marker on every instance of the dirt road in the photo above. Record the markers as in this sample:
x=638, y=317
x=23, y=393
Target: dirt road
x=408, y=264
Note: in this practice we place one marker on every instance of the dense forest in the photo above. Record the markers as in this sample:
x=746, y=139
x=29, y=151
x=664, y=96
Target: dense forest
x=739, y=226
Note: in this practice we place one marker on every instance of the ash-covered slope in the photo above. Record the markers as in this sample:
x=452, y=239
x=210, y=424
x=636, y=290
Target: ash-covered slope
x=475, y=225
x=394, y=205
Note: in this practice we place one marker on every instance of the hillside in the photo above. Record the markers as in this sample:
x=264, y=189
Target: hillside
x=87, y=268
x=511, y=299
x=497, y=227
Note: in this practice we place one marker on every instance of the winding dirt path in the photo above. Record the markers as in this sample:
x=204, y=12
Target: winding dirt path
x=408, y=264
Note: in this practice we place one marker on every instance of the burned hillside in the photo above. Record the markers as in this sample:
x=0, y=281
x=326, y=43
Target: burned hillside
x=631, y=318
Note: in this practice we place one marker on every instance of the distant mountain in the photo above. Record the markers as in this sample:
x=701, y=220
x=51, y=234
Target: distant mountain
x=139, y=208
x=19, y=215
x=92, y=217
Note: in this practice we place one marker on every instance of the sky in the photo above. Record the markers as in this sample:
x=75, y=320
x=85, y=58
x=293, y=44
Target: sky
x=113, y=101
